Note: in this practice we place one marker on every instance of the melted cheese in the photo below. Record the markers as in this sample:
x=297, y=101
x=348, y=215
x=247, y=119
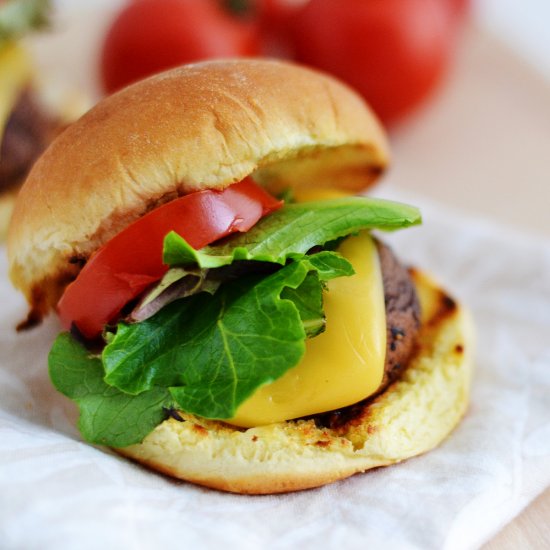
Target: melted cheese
x=344, y=364
x=306, y=194
x=15, y=73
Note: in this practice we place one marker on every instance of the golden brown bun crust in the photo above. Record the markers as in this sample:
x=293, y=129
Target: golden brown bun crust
x=411, y=417
x=202, y=126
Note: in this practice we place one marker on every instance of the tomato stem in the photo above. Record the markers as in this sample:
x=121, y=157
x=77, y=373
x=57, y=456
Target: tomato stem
x=241, y=8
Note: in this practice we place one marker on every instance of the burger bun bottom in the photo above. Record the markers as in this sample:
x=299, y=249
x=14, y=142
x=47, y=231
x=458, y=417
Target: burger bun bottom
x=412, y=416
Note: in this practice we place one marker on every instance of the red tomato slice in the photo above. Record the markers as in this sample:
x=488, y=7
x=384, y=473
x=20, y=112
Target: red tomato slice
x=132, y=260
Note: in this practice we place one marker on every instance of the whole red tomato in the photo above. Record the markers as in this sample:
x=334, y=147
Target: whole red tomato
x=392, y=51
x=461, y=7
x=149, y=36
x=276, y=20
x=277, y=14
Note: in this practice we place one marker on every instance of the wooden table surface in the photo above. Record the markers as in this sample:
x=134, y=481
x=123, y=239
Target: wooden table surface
x=483, y=146
x=529, y=530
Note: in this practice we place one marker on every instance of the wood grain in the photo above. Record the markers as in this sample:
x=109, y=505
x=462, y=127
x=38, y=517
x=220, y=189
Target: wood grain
x=531, y=529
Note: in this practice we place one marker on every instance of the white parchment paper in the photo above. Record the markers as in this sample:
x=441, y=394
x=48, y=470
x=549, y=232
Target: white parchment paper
x=58, y=492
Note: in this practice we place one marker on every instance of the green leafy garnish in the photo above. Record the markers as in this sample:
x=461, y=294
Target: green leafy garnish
x=286, y=234
x=107, y=415
x=290, y=232
x=215, y=351
x=177, y=283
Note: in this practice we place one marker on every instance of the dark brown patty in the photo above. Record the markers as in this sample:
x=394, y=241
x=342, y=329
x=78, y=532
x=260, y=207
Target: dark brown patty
x=28, y=132
x=402, y=325
x=402, y=313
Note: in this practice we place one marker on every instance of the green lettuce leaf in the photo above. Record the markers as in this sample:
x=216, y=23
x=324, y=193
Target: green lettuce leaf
x=308, y=299
x=107, y=415
x=215, y=351
x=291, y=231
x=177, y=283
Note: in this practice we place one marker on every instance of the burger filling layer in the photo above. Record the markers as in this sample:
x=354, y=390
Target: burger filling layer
x=284, y=320
x=345, y=363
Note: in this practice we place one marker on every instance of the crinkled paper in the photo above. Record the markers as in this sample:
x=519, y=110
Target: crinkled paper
x=58, y=492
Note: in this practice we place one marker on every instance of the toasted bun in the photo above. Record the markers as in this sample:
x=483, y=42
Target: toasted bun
x=200, y=126
x=411, y=417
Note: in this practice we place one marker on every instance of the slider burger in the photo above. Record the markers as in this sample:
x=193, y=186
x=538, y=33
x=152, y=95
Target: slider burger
x=26, y=128
x=213, y=331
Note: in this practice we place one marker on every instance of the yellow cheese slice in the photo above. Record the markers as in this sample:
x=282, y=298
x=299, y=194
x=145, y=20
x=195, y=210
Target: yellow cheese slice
x=15, y=73
x=344, y=364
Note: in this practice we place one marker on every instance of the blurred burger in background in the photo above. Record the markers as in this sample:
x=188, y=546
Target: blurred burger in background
x=26, y=125
x=395, y=53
